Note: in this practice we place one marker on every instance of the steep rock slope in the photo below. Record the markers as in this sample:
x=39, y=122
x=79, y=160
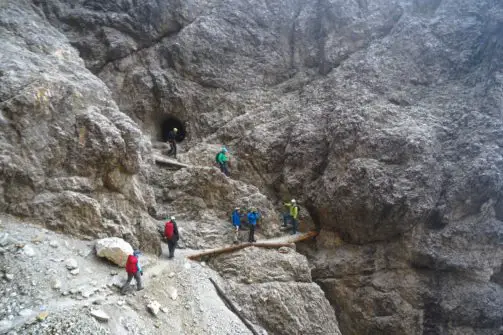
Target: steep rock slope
x=69, y=157
x=383, y=117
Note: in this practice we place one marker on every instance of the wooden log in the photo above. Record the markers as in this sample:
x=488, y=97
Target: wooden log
x=290, y=242
x=233, y=307
x=164, y=160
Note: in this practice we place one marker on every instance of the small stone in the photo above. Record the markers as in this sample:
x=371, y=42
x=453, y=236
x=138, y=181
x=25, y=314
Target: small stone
x=114, y=273
x=28, y=251
x=71, y=264
x=203, y=263
x=120, y=302
x=164, y=309
x=171, y=274
x=42, y=316
x=56, y=284
x=99, y=301
x=154, y=307
x=54, y=244
x=65, y=293
x=173, y=293
x=25, y=312
x=4, y=239
x=5, y=325
x=38, y=238
x=74, y=291
x=75, y=271
x=9, y=276
x=100, y=315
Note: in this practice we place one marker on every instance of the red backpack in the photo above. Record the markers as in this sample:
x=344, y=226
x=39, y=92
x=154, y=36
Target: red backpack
x=131, y=264
x=169, y=230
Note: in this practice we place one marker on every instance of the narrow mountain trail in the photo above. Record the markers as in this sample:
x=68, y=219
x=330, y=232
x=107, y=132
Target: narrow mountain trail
x=35, y=278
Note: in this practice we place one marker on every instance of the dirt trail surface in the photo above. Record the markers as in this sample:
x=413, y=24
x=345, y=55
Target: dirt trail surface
x=59, y=279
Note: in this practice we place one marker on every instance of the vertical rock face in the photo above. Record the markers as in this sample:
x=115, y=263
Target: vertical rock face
x=69, y=157
x=382, y=117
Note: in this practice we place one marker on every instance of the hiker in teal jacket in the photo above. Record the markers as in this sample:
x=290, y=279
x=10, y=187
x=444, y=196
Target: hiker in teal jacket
x=223, y=161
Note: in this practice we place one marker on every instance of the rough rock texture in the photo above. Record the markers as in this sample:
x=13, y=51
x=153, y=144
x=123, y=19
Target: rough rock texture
x=114, y=249
x=253, y=265
x=68, y=156
x=382, y=117
x=275, y=291
x=203, y=198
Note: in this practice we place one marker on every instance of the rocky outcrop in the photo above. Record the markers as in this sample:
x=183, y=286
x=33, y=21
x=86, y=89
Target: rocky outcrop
x=203, y=198
x=275, y=291
x=68, y=157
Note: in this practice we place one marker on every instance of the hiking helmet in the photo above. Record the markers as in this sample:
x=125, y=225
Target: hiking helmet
x=294, y=201
x=172, y=218
x=224, y=149
x=175, y=130
x=136, y=252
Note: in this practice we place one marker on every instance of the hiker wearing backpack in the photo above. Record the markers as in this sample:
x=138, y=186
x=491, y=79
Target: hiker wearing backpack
x=171, y=235
x=253, y=217
x=236, y=222
x=223, y=161
x=172, y=141
x=292, y=215
x=133, y=269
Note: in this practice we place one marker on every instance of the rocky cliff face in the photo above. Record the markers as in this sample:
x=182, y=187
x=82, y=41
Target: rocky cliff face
x=69, y=157
x=382, y=117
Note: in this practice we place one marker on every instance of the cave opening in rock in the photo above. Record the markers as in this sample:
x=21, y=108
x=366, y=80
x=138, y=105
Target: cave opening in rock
x=170, y=123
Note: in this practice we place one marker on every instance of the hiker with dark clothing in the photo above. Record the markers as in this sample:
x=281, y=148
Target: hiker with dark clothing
x=172, y=141
x=133, y=269
x=253, y=217
x=172, y=236
x=223, y=161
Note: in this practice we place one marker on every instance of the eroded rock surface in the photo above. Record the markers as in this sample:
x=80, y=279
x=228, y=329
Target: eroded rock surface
x=382, y=117
x=68, y=157
x=275, y=291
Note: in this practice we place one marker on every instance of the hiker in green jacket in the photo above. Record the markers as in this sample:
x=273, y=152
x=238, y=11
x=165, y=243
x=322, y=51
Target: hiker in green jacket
x=292, y=215
x=223, y=160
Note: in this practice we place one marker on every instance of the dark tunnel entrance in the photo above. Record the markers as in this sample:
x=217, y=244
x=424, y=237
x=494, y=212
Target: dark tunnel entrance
x=170, y=123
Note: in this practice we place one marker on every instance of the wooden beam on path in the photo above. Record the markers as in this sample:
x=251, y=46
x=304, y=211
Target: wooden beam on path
x=164, y=160
x=233, y=307
x=286, y=242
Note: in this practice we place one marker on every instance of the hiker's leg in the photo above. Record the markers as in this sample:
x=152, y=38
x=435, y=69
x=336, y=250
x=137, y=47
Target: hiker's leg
x=251, y=237
x=126, y=284
x=137, y=277
x=226, y=170
x=174, y=148
x=294, y=226
x=171, y=248
x=286, y=219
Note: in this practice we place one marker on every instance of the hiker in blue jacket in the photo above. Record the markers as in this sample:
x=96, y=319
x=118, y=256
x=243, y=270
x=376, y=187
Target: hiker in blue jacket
x=236, y=222
x=253, y=217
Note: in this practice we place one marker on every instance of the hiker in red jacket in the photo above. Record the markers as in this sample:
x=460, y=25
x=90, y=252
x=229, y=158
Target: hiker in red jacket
x=171, y=235
x=133, y=269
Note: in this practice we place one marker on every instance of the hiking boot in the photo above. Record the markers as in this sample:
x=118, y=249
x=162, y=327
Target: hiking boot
x=140, y=288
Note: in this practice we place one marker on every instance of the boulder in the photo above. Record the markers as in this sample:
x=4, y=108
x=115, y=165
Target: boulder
x=114, y=249
x=258, y=265
x=154, y=307
x=100, y=315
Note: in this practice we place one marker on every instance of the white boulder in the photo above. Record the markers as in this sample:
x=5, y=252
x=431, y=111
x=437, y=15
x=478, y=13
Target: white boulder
x=114, y=249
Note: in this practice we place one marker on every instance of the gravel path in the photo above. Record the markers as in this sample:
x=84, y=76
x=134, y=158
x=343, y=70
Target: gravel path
x=35, y=281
